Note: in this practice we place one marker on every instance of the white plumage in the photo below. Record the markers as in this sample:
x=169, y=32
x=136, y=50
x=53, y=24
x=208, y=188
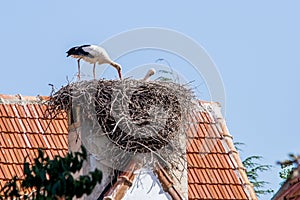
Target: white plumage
x=92, y=54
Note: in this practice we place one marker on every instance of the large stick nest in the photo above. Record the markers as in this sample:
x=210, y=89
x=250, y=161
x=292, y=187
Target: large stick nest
x=137, y=116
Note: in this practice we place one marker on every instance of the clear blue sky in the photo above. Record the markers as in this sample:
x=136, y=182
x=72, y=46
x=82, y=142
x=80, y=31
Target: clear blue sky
x=255, y=46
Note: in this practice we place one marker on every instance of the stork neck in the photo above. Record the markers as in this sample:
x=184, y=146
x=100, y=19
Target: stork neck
x=146, y=78
x=115, y=65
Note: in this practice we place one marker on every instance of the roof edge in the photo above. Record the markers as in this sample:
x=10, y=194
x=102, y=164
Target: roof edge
x=19, y=99
x=125, y=180
x=240, y=168
x=123, y=183
x=167, y=182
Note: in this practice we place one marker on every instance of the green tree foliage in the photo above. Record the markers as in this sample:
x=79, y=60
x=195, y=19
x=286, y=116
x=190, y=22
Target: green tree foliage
x=286, y=172
x=53, y=179
x=253, y=169
x=288, y=166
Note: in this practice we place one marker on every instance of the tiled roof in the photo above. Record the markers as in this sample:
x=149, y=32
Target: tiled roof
x=290, y=190
x=25, y=127
x=215, y=170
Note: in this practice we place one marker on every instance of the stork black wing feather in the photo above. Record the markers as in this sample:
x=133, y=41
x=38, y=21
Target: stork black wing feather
x=79, y=51
x=83, y=52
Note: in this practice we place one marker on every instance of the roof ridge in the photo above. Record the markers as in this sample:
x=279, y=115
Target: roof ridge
x=19, y=99
x=123, y=183
x=167, y=182
x=126, y=178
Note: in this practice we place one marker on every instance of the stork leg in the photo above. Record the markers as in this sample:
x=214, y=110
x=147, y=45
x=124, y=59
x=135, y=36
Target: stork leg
x=94, y=71
x=78, y=75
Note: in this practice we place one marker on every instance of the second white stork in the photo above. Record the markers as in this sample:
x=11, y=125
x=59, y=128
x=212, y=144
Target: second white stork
x=150, y=73
x=92, y=54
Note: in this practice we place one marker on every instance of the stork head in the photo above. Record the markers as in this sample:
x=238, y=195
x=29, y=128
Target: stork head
x=150, y=73
x=71, y=51
x=118, y=67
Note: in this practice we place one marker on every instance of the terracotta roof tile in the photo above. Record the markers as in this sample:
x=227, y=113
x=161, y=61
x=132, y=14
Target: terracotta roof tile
x=6, y=171
x=203, y=132
x=203, y=117
x=34, y=112
x=212, y=172
x=39, y=112
x=26, y=110
x=39, y=139
x=2, y=175
x=9, y=110
x=229, y=191
x=22, y=124
x=8, y=125
x=64, y=125
x=11, y=155
x=211, y=129
x=32, y=127
x=224, y=192
x=2, y=110
x=19, y=126
x=5, y=157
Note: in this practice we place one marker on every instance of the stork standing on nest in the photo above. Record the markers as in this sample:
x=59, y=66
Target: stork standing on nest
x=150, y=73
x=92, y=54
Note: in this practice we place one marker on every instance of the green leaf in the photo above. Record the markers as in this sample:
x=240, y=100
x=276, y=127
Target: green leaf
x=54, y=178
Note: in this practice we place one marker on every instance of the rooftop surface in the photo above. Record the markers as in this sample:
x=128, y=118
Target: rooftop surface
x=25, y=127
x=214, y=167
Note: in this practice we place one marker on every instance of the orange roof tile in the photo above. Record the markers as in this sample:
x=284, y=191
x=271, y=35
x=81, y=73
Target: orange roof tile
x=23, y=130
x=213, y=171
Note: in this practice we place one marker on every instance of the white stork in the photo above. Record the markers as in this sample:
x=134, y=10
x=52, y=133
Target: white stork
x=92, y=54
x=150, y=73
